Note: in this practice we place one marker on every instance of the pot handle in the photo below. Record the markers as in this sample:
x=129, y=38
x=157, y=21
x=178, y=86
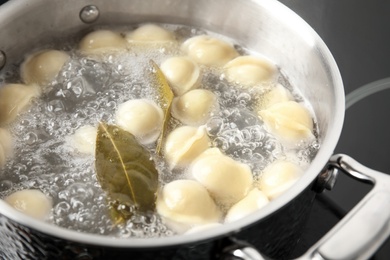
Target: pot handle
x=361, y=232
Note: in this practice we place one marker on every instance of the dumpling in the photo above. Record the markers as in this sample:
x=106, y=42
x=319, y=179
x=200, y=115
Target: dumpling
x=182, y=73
x=188, y=203
x=150, y=33
x=208, y=50
x=289, y=121
x=141, y=117
x=227, y=180
x=101, y=41
x=84, y=139
x=278, y=94
x=6, y=145
x=31, y=202
x=184, y=144
x=202, y=228
x=252, y=202
x=43, y=67
x=194, y=107
x=250, y=71
x=14, y=100
x=278, y=177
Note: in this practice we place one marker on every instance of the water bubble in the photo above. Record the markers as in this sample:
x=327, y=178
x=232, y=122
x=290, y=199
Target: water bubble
x=233, y=136
x=114, y=87
x=76, y=86
x=169, y=233
x=63, y=195
x=25, y=122
x=63, y=93
x=136, y=89
x=246, y=134
x=233, y=125
x=55, y=106
x=316, y=145
x=111, y=105
x=61, y=209
x=244, y=118
x=257, y=157
x=221, y=142
x=93, y=105
x=31, y=138
x=31, y=183
x=5, y=185
x=23, y=178
x=246, y=154
x=68, y=182
x=84, y=218
x=257, y=133
x=244, y=98
x=214, y=126
x=76, y=204
x=126, y=232
x=105, y=117
x=81, y=191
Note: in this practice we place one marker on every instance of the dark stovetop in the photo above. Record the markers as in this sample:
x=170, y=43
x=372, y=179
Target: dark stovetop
x=357, y=32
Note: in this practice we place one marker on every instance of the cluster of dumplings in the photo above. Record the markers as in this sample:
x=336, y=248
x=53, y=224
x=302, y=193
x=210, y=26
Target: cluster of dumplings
x=217, y=188
x=15, y=98
x=36, y=72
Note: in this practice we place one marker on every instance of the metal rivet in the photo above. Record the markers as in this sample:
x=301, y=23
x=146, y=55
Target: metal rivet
x=89, y=14
x=2, y=59
x=326, y=179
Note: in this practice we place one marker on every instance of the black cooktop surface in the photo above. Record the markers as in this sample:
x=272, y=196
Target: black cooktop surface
x=357, y=32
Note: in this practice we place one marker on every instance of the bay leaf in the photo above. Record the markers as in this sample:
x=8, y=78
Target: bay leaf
x=165, y=97
x=125, y=171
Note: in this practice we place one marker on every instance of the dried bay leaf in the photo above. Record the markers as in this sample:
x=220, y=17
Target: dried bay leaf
x=125, y=170
x=165, y=97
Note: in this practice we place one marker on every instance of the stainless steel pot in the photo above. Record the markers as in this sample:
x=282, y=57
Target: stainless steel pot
x=261, y=25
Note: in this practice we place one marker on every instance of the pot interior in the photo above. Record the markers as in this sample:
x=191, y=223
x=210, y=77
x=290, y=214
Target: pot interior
x=264, y=26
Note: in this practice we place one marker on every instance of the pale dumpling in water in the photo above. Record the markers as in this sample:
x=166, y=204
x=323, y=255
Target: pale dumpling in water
x=15, y=99
x=141, y=117
x=252, y=202
x=31, y=202
x=43, y=67
x=184, y=144
x=290, y=121
x=208, y=50
x=188, y=203
x=150, y=33
x=84, y=139
x=278, y=177
x=182, y=73
x=195, y=107
x=101, y=41
x=202, y=228
x=227, y=180
x=6, y=145
x=250, y=71
x=278, y=94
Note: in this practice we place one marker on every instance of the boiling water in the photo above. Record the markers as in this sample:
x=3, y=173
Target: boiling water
x=88, y=90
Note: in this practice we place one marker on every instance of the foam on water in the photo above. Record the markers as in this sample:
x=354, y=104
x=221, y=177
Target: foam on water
x=88, y=90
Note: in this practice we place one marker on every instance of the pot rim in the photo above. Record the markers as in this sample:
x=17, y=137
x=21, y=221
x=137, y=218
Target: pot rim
x=327, y=147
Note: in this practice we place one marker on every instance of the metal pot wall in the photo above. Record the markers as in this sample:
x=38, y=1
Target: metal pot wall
x=264, y=26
